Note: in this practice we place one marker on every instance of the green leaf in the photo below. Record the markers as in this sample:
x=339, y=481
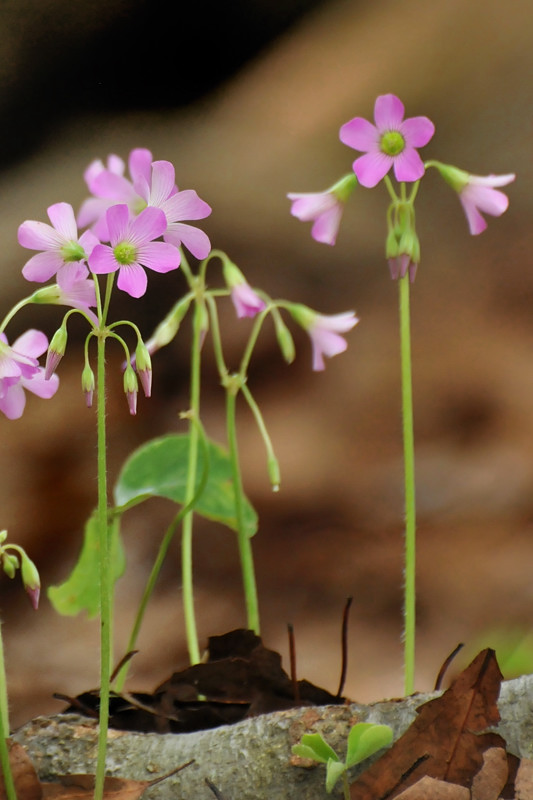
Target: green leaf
x=316, y=748
x=80, y=592
x=159, y=469
x=334, y=771
x=365, y=739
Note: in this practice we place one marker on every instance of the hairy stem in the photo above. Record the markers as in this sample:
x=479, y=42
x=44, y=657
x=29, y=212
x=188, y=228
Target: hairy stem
x=409, y=477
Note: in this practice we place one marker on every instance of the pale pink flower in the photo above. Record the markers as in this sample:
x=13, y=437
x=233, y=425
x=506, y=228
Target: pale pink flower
x=132, y=248
x=324, y=209
x=246, y=301
x=390, y=142
x=324, y=331
x=152, y=184
x=479, y=195
x=63, y=253
x=81, y=295
x=20, y=370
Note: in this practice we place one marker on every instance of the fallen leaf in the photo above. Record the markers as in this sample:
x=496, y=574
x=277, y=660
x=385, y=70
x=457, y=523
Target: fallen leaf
x=446, y=741
x=489, y=782
x=524, y=780
x=27, y=785
x=81, y=787
x=433, y=788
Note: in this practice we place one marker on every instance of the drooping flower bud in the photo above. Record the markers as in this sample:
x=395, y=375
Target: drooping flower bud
x=88, y=384
x=246, y=301
x=56, y=351
x=10, y=563
x=131, y=388
x=285, y=340
x=30, y=579
x=143, y=364
x=168, y=328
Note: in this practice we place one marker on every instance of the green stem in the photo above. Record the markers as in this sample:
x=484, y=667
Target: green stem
x=4, y=728
x=345, y=786
x=161, y=555
x=187, y=527
x=409, y=476
x=105, y=581
x=243, y=540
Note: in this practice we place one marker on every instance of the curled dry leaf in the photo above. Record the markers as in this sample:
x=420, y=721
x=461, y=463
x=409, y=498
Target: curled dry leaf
x=435, y=789
x=27, y=785
x=491, y=779
x=446, y=741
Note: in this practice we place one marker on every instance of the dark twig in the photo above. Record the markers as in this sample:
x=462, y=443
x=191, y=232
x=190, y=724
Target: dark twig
x=292, y=656
x=344, y=645
x=445, y=666
x=218, y=794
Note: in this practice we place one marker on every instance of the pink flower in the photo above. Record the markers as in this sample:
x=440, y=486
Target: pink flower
x=132, y=248
x=324, y=330
x=390, y=142
x=480, y=195
x=152, y=184
x=160, y=191
x=246, y=301
x=81, y=295
x=64, y=253
x=324, y=208
x=477, y=194
x=20, y=370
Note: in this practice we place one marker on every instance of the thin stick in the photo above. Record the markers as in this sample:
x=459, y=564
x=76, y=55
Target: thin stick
x=446, y=664
x=344, y=645
x=292, y=657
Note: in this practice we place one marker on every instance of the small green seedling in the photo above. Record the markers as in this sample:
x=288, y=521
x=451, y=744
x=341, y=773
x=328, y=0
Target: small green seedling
x=364, y=739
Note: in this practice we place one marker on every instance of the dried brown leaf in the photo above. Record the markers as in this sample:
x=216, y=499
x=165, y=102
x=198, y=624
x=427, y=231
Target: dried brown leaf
x=27, y=785
x=524, y=780
x=435, y=789
x=489, y=782
x=446, y=741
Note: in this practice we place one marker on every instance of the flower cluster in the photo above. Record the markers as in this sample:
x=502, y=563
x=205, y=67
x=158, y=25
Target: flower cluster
x=125, y=217
x=392, y=142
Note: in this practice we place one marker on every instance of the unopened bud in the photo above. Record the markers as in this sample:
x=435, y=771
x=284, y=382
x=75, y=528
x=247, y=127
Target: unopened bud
x=131, y=388
x=143, y=363
x=10, y=564
x=285, y=340
x=56, y=351
x=87, y=384
x=168, y=328
x=30, y=579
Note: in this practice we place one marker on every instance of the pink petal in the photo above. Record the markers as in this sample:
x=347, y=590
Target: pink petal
x=139, y=164
x=488, y=200
x=102, y=260
x=186, y=205
x=132, y=279
x=388, y=112
x=163, y=180
x=408, y=166
x=88, y=241
x=61, y=216
x=417, y=131
x=193, y=238
x=150, y=224
x=476, y=223
x=112, y=187
x=39, y=236
x=91, y=209
x=492, y=180
x=13, y=402
x=32, y=343
x=159, y=256
x=69, y=273
x=371, y=168
x=42, y=266
x=327, y=224
x=41, y=387
x=306, y=207
x=360, y=134
x=118, y=218
x=341, y=323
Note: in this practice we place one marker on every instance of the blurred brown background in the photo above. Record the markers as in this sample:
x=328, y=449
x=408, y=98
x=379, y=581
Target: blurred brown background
x=248, y=105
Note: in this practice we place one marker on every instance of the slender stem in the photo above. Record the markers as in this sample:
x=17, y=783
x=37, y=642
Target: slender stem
x=105, y=581
x=161, y=555
x=409, y=476
x=187, y=527
x=345, y=786
x=4, y=728
x=243, y=539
